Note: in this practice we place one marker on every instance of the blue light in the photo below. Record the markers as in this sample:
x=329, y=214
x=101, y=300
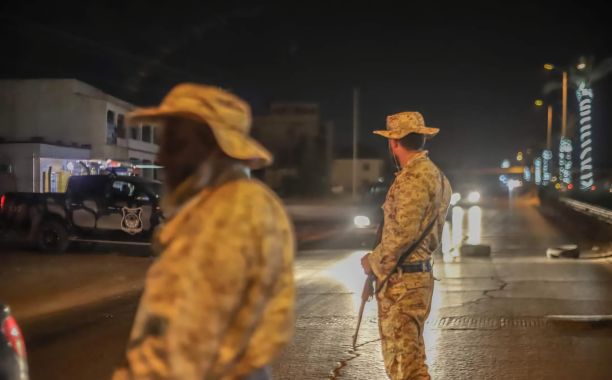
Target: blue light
x=527, y=174
x=537, y=164
x=565, y=160
x=546, y=158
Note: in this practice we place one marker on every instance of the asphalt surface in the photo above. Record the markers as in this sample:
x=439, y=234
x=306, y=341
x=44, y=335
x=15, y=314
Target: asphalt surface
x=488, y=321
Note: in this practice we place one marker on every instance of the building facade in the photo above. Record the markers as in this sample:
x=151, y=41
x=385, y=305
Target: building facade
x=368, y=172
x=57, y=127
x=301, y=144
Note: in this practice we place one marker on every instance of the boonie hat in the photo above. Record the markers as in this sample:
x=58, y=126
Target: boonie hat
x=401, y=124
x=228, y=116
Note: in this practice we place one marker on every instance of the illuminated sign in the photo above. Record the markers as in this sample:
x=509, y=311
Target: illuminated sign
x=546, y=159
x=537, y=164
x=585, y=100
x=565, y=160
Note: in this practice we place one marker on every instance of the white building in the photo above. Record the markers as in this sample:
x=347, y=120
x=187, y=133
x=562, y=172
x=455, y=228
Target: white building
x=368, y=172
x=51, y=126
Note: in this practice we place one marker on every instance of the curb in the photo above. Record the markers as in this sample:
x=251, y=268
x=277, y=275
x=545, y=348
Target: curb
x=581, y=318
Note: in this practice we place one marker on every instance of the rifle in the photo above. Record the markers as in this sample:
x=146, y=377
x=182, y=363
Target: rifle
x=368, y=288
x=366, y=294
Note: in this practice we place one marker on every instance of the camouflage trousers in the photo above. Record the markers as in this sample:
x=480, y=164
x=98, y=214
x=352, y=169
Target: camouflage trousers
x=403, y=307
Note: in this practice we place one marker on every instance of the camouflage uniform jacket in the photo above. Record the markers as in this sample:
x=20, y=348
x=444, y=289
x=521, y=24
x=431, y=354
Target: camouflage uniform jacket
x=218, y=302
x=412, y=202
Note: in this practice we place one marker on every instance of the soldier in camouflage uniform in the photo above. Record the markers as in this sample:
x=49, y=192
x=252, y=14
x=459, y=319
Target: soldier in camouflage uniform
x=419, y=194
x=218, y=302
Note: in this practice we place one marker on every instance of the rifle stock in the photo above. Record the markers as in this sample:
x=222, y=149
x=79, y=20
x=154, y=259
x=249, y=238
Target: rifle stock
x=366, y=294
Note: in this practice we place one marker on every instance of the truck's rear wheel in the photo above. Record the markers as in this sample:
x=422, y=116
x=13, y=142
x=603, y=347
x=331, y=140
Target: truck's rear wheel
x=52, y=237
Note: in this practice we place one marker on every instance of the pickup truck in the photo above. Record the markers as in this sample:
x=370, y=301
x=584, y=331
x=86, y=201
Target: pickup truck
x=94, y=209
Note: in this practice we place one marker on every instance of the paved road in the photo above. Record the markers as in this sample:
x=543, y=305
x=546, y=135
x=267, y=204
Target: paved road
x=488, y=320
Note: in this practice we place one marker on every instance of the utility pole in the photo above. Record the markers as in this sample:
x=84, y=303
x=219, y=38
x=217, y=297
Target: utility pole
x=549, y=128
x=564, y=116
x=355, y=138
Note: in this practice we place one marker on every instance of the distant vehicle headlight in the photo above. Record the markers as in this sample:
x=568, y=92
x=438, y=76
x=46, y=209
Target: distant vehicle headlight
x=455, y=198
x=361, y=221
x=474, y=197
x=514, y=183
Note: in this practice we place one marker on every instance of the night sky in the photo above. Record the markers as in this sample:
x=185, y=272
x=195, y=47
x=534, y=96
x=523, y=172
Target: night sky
x=472, y=69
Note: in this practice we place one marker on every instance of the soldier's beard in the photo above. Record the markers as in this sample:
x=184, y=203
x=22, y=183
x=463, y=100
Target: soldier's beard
x=394, y=158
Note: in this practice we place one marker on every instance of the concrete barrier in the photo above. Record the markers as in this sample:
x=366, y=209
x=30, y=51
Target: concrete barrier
x=476, y=250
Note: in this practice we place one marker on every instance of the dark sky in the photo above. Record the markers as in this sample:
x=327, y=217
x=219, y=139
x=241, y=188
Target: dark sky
x=473, y=69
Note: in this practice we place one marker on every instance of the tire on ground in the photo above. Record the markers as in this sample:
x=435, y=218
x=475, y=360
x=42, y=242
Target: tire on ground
x=52, y=237
x=563, y=251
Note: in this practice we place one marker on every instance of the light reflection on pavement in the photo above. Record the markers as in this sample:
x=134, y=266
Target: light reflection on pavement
x=474, y=233
x=457, y=226
x=487, y=318
x=348, y=272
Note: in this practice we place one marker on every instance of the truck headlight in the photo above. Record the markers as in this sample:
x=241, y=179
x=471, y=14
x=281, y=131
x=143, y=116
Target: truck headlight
x=361, y=221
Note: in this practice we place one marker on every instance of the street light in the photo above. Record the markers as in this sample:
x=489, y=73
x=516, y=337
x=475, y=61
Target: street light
x=551, y=67
x=564, y=155
x=539, y=103
x=581, y=66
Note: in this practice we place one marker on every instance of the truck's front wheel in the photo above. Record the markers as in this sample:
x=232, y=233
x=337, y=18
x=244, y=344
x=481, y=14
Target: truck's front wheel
x=52, y=237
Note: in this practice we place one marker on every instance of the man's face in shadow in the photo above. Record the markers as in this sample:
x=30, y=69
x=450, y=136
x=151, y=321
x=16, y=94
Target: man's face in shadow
x=185, y=145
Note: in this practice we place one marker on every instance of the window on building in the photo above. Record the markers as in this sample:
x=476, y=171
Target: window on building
x=121, y=126
x=365, y=167
x=146, y=133
x=134, y=133
x=6, y=169
x=111, y=128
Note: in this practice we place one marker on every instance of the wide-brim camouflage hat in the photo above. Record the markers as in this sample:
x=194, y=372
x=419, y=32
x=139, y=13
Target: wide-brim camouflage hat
x=401, y=124
x=228, y=116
